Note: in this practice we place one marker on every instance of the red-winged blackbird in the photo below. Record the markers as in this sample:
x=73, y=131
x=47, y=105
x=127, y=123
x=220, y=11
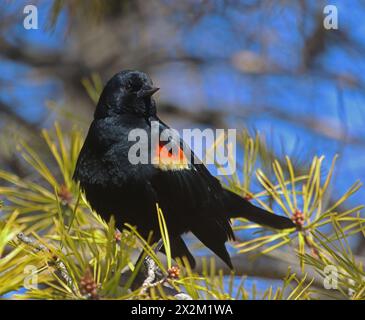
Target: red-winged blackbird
x=191, y=199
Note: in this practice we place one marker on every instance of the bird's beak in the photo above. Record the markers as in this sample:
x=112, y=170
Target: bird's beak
x=147, y=92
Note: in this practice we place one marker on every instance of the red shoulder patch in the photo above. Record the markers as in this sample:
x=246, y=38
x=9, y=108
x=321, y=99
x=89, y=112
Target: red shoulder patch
x=170, y=159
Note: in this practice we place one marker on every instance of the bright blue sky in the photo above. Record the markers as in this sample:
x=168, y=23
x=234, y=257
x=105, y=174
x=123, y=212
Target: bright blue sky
x=30, y=96
x=223, y=86
x=298, y=96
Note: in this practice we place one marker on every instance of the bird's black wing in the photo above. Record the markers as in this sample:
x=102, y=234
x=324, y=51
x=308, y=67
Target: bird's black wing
x=235, y=206
x=192, y=199
x=205, y=204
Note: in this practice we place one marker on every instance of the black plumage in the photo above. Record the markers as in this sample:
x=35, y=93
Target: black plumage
x=189, y=196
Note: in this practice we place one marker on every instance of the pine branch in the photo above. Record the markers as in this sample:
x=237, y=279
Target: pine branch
x=152, y=272
x=60, y=266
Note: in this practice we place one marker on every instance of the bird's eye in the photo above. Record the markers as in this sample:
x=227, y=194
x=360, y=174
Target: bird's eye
x=129, y=86
x=133, y=86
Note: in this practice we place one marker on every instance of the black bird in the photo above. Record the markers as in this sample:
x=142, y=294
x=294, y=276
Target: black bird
x=191, y=198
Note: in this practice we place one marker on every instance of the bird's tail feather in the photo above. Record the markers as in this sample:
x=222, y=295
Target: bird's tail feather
x=179, y=249
x=211, y=235
x=238, y=207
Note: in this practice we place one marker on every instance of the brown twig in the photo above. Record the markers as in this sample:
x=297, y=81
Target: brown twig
x=152, y=270
x=60, y=266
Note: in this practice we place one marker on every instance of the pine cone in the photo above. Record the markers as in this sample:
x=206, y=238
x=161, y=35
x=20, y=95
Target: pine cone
x=298, y=218
x=88, y=286
x=65, y=195
x=173, y=272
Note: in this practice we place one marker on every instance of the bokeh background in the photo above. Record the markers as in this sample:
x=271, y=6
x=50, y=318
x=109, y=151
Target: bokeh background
x=268, y=66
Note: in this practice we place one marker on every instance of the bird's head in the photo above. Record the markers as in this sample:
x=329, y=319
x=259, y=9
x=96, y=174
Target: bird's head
x=128, y=92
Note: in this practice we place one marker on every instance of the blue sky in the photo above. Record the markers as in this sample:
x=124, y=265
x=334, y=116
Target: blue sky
x=221, y=85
